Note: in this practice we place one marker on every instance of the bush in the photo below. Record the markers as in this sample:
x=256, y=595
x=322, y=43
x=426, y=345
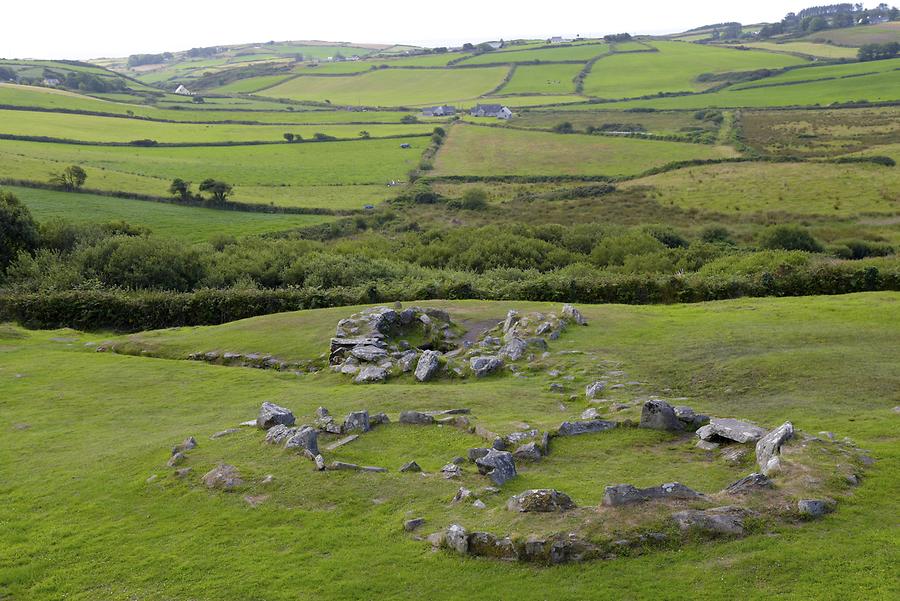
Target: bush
x=860, y=249
x=474, y=199
x=614, y=249
x=18, y=230
x=564, y=128
x=716, y=234
x=789, y=237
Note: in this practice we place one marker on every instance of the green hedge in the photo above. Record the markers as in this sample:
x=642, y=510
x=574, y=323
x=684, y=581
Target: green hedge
x=133, y=311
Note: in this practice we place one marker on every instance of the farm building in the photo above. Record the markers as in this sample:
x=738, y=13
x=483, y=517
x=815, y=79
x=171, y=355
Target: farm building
x=51, y=81
x=491, y=110
x=183, y=91
x=558, y=40
x=438, y=111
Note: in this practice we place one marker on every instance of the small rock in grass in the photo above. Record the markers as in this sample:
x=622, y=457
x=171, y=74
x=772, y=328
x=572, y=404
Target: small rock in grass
x=224, y=433
x=182, y=472
x=590, y=413
x=463, y=494
x=457, y=538
x=222, y=476
x=479, y=504
x=706, y=445
x=189, y=443
x=416, y=418
x=749, y=484
x=413, y=524
x=410, y=466
x=176, y=459
x=540, y=500
x=659, y=415
x=499, y=466
x=451, y=470
x=813, y=508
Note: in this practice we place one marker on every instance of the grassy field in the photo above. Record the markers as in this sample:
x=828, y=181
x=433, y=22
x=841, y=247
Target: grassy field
x=576, y=52
x=112, y=129
x=857, y=36
x=542, y=79
x=250, y=84
x=808, y=48
x=472, y=150
x=794, y=188
x=105, y=533
x=673, y=69
x=826, y=72
x=394, y=87
x=185, y=223
x=657, y=122
x=357, y=162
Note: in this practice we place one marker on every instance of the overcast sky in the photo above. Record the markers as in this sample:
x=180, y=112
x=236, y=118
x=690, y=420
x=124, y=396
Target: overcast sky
x=101, y=28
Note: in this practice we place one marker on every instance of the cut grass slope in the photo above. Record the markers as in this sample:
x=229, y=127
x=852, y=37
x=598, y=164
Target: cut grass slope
x=101, y=531
x=486, y=151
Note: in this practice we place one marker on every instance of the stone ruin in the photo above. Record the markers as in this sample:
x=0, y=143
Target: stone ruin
x=381, y=342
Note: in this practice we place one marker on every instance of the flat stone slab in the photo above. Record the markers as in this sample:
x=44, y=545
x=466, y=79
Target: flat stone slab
x=731, y=429
x=624, y=494
x=339, y=443
x=585, y=427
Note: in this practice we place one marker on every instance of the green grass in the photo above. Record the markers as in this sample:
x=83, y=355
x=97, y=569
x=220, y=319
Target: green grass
x=250, y=84
x=357, y=162
x=332, y=68
x=186, y=223
x=808, y=48
x=673, y=69
x=426, y=60
x=542, y=79
x=472, y=150
x=104, y=423
x=857, y=36
x=577, y=52
x=795, y=188
x=112, y=129
x=851, y=71
x=658, y=122
x=394, y=87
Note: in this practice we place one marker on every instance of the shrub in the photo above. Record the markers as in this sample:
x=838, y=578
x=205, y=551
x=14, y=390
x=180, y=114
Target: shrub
x=789, y=237
x=614, y=249
x=474, y=199
x=716, y=234
x=860, y=249
x=564, y=128
x=18, y=230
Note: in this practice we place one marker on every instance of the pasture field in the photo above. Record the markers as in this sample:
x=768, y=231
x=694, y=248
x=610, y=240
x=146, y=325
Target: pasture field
x=657, y=122
x=185, y=223
x=825, y=72
x=576, y=52
x=483, y=151
x=820, y=132
x=250, y=84
x=320, y=163
x=839, y=191
x=673, y=69
x=425, y=60
x=113, y=129
x=523, y=101
x=542, y=79
x=394, y=87
x=342, y=68
x=105, y=532
x=808, y=48
x=880, y=33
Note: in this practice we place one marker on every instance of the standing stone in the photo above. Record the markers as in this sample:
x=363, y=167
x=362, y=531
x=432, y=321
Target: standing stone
x=305, y=438
x=357, y=420
x=499, y=466
x=458, y=539
x=407, y=360
x=570, y=312
x=320, y=463
x=540, y=500
x=512, y=318
x=769, y=446
x=271, y=415
x=595, y=389
x=416, y=418
x=427, y=366
x=486, y=365
x=659, y=415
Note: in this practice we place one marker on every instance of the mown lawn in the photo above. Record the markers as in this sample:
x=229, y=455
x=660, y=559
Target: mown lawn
x=84, y=430
x=474, y=150
x=186, y=223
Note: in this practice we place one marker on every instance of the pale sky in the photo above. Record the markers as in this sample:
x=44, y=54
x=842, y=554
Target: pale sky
x=56, y=29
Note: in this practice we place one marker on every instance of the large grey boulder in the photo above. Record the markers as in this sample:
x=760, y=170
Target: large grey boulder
x=457, y=538
x=748, y=484
x=485, y=544
x=540, y=500
x=223, y=476
x=769, y=447
x=571, y=313
x=728, y=520
x=357, y=421
x=624, y=494
x=371, y=374
x=659, y=415
x=595, y=389
x=689, y=418
x=416, y=418
x=306, y=439
x=368, y=353
x=585, y=427
x=499, y=466
x=427, y=366
x=813, y=508
x=271, y=415
x=731, y=429
x=514, y=350
x=279, y=434
x=485, y=365
x=477, y=453
x=407, y=360
x=530, y=451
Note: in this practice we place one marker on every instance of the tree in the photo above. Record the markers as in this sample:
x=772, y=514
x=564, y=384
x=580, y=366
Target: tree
x=180, y=188
x=474, y=199
x=71, y=178
x=364, y=134
x=18, y=231
x=218, y=190
x=289, y=137
x=789, y=237
x=7, y=74
x=564, y=128
x=407, y=119
x=198, y=100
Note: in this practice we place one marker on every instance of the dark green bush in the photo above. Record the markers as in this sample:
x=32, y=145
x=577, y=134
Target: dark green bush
x=789, y=237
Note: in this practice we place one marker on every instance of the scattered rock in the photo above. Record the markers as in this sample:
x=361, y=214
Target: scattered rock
x=734, y=455
x=182, y=472
x=341, y=466
x=428, y=365
x=540, y=500
x=416, y=417
x=255, y=500
x=528, y=452
x=463, y=494
x=479, y=504
x=304, y=438
x=557, y=387
x=659, y=415
x=410, y=466
x=585, y=427
x=813, y=508
x=451, y=470
x=407, y=360
x=368, y=353
x=372, y=468
x=189, y=443
x=457, y=538
x=513, y=350
x=357, y=421
x=176, y=459
x=320, y=463
x=477, y=453
x=728, y=520
x=371, y=374
x=278, y=434
x=379, y=419
x=271, y=415
x=413, y=524
x=499, y=466
x=749, y=484
x=731, y=429
x=224, y=433
x=595, y=389
x=437, y=539
x=485, y=365
x=570, y=312
x=769, y=446
x=223, y=476
x=624, y=494
x=339, y=443
x=707, y=445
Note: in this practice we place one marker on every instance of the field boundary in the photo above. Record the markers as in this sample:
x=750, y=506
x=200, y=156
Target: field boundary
x=140, y=144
